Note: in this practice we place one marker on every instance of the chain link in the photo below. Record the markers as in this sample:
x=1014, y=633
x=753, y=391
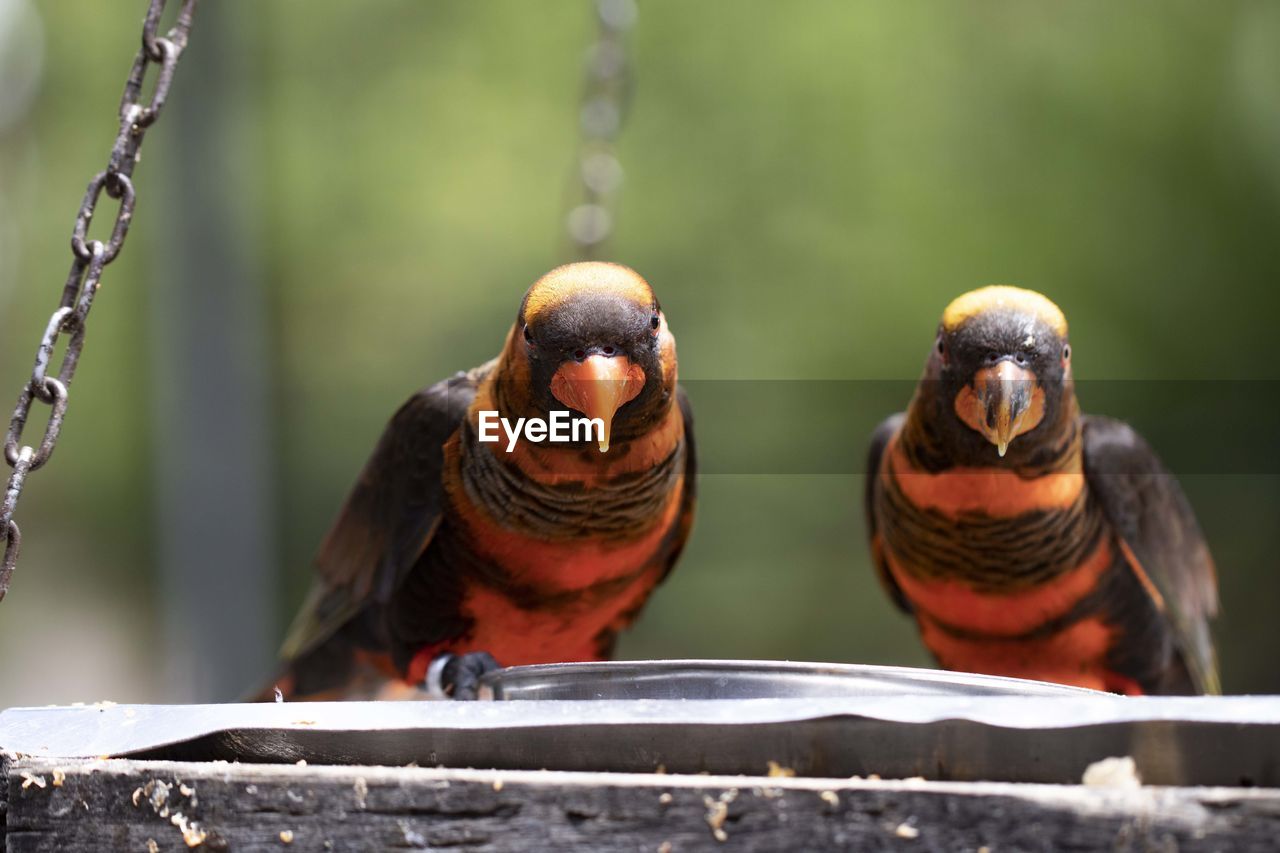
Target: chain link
x=606, y=98
x=89, y=259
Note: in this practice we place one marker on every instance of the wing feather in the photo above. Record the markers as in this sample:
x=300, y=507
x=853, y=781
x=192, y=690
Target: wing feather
x=1149, y=512
x=875, y=456
x=689, y=498
x=390, y=515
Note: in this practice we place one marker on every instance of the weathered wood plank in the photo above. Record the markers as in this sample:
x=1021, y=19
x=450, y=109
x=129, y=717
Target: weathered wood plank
x=134, y=805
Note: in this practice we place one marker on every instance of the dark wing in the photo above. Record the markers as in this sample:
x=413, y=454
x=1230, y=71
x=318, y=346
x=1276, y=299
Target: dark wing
x=879, y=441
x=684, y=522
x=390, y=515
x=1148, y=511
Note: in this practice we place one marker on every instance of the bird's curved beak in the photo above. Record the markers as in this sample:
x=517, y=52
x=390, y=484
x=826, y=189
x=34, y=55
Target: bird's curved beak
x=598, y=386
x=1002, y=402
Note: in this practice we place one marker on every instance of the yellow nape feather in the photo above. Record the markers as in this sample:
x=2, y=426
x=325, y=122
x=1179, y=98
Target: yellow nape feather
x=573, y=279
x=1003, y=296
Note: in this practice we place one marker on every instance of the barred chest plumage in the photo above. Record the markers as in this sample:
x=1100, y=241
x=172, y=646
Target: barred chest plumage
x=1004, y=573
x=611, y=504
x=546, y=552
x=993, y=529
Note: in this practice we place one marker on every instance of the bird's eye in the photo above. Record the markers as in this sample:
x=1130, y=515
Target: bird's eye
x=1066, y=352
x=942, y=346
x=655, y=322
x=528, y=335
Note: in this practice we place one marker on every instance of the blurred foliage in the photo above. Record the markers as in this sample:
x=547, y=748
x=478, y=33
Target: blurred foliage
x=807, y=184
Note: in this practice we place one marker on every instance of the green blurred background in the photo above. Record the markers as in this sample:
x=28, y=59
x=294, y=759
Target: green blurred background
x=346, y=201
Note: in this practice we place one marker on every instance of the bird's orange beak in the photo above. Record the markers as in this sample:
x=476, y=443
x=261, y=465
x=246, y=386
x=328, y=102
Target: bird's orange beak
x=598, y=386
x=1002, y=403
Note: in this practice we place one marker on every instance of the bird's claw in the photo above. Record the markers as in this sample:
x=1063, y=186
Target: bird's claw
x=458, y=676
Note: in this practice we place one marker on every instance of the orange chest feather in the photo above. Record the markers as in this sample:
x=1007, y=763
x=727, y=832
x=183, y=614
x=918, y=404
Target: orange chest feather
x=516, y=635
x=993, y=491
x=959, y=494
x=1075, y=655
x=1008, y=613
x=565, y=564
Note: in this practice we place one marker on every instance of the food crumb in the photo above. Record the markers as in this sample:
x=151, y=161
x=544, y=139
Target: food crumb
x=191, y=831
x=157, y=791
x=58, y=778
x=137, y=793
x=152, y=847
x=664, y=847
x=718, y=813
x=831, y=797
x=665, y=797
x=29, y=779
x=361, y=789
x=906, y=830
x=286, y=836
x=776, y=769
x=1112, y=773
x=301, y=762
x=497, y=784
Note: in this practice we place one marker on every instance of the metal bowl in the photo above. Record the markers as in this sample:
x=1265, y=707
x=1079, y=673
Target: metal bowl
x=735, y=679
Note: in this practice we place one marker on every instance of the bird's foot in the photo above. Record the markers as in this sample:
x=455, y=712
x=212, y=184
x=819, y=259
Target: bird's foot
x=458, y=676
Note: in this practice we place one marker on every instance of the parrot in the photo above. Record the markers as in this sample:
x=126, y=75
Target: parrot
x=453, y=556
x=1026, y=538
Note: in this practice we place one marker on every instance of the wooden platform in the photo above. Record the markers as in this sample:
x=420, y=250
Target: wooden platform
x=148, y=806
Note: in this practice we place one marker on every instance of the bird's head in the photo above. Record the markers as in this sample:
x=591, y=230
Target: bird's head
x=1002, y=364
x=591, y=338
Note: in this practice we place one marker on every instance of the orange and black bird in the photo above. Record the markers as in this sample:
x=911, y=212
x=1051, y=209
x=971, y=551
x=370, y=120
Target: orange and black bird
x=1025, y=538
x=454, y=555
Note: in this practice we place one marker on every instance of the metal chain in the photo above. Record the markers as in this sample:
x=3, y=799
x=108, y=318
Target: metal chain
x=606, y=98
x=90, y=257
